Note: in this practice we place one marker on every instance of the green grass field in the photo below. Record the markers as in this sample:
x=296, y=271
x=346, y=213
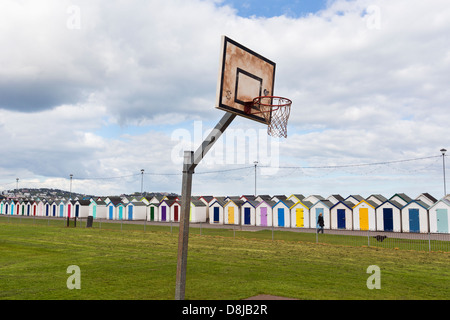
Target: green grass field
x=131, y=264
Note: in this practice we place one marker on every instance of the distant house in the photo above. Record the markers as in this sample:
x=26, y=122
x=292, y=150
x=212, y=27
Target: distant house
x=389, y=217
x=439, y=216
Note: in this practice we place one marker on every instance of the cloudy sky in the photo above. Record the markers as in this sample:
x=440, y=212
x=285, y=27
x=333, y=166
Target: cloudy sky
x=102, y=89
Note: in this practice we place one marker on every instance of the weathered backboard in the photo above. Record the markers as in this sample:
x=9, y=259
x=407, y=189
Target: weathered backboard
x=243, y=76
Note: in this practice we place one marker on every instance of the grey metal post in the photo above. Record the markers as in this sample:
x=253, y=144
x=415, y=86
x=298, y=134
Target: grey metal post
x=183, y=236
x=191, y=160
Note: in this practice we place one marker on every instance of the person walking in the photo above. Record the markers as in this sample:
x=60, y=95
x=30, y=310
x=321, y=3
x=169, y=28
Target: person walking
x=320, y=223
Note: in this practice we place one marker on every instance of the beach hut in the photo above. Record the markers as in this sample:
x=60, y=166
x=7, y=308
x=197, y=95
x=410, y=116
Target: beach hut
x=263, y=213
x=216, y=210
x=2, y=207
x=81, y=208
x=263, y=197
x=247, y=197
x=164, y=210
x=388, y=216
x=58, y=207
x=296, y=197
x=98, y=209
x=321, y=207
x=115, y=209
x=401, y=198
x=300, y=214
x=248, y=212
x=175, y=210
x=135, y=210
x=355, y=199
x=22, y=207
x=206, y=199
x=232, y=212
x=198, y=211
x=341, y=215
x=153, y=211
x=377, y=199
x=40, y=208
x=281, y=213
x=313, y=198
x=427, y=198
x=415, y=217
x=439, y=219
x=364, y=217
x=335, y=198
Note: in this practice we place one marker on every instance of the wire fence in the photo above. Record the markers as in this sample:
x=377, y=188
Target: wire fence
x=436, y=242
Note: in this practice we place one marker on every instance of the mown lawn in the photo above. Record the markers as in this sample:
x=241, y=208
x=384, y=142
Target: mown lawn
x=130, y=264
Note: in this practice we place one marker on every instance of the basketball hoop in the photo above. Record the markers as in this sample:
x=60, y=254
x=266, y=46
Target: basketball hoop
x=276, y=111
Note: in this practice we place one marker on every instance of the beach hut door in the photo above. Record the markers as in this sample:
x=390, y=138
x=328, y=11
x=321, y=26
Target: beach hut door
x=110, y=212
x=231, y=215
x=442, y=220
x=130, y=213
x=264, y=216
x=341, y=218
x=364, y=219
x=216, y=214
x=299, y=218
x=414, y=220
x=388, y=220
x=281, y=217
x=246, y=215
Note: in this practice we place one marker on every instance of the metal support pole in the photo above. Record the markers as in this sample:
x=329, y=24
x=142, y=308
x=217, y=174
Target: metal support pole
x=191, y=160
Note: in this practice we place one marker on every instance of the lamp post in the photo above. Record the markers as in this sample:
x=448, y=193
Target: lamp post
x=443, y=151
x=71, y=176
x=256, y=163
x=142, y=181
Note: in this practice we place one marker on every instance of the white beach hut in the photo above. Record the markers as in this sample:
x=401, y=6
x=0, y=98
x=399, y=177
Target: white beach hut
x=439, y=216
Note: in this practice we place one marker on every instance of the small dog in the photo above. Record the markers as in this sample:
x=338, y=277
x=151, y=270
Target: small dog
x=380, y=238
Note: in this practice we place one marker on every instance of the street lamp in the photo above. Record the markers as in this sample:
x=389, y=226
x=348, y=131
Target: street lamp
x=142, y=181
x=443, y=151
x=256, y=163
x=71, y=176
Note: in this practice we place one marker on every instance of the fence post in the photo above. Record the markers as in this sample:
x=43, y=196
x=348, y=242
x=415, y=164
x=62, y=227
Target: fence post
x=429, y=241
